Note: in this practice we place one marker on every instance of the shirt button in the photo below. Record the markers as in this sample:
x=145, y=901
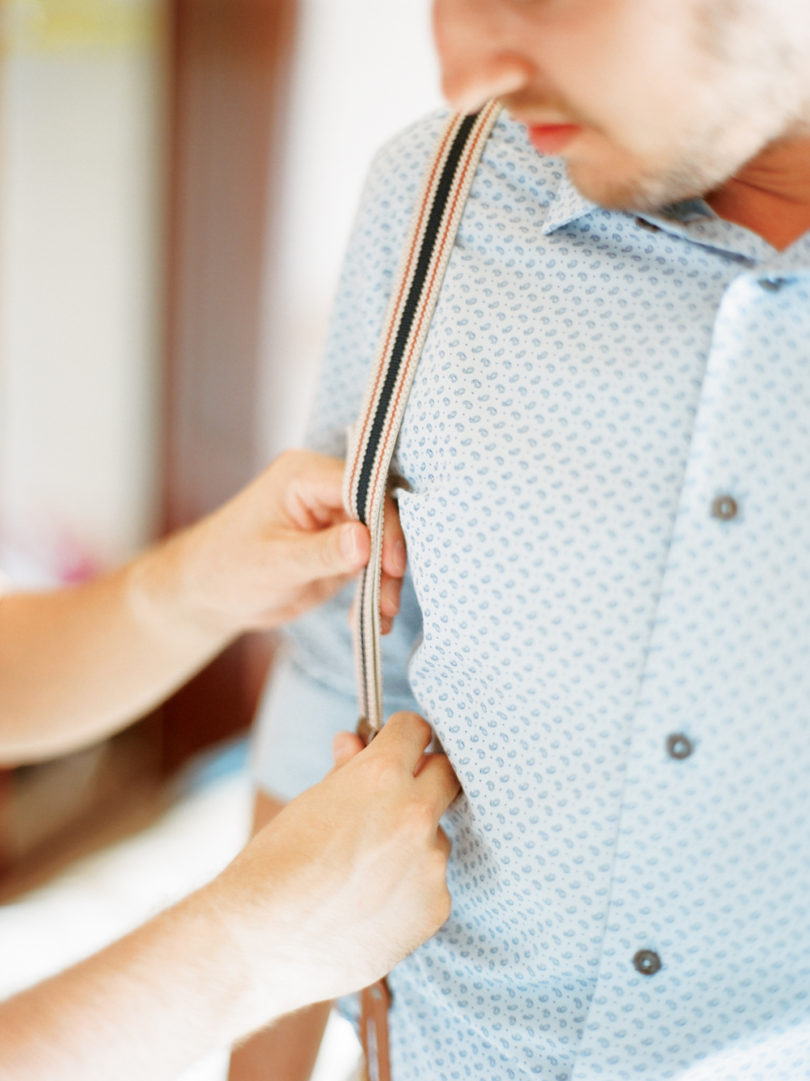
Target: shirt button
x=679, y=745
x=647, y=962
x=725, y=508
x=772, y=285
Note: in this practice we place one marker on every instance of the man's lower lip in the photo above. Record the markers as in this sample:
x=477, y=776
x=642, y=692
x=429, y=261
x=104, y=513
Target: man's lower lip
x=552, y=138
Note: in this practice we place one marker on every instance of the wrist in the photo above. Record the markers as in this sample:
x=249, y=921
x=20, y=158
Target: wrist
x=251, y=939
x=162, y=595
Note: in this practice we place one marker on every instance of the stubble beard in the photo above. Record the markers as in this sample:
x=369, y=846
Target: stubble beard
x=735, y=111
x=629, y=184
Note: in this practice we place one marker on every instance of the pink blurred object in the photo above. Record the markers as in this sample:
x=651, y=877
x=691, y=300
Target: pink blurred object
x=74, y=562
x=46, y=554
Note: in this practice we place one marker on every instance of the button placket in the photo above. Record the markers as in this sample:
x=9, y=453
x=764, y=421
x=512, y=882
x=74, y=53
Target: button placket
x=728, y=512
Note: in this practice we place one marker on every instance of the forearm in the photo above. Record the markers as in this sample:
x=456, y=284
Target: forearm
x=146, y=1007
x=276, y=930
x=80, y=662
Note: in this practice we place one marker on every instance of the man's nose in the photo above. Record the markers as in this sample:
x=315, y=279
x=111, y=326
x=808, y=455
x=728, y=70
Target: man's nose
x=471, y=80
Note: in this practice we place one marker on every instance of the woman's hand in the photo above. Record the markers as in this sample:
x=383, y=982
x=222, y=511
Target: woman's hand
x=349, y=878
x=281, y=546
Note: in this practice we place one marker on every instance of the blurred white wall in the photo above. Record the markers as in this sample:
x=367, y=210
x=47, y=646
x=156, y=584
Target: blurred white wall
x=82, y=113
x=363, y=70
x=81, y=146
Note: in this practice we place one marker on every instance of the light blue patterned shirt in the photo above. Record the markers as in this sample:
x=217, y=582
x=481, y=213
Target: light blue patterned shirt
x=607, y=506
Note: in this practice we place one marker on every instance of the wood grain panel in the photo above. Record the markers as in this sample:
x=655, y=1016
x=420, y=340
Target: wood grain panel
x=229, y=75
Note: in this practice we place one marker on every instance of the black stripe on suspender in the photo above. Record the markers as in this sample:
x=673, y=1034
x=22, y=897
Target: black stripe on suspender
x=409, y=310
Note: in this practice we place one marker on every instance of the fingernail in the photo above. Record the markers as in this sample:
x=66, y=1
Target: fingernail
x=341, y=744
x=389, y=597
x=350, y=544
x=400, y=557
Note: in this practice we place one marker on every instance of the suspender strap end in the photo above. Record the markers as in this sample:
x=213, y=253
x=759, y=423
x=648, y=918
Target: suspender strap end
x=376, y=1002
x=365, y=731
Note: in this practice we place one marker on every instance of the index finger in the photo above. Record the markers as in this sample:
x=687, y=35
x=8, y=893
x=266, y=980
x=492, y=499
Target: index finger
x=393, y=549
x=439, y=784
x=315, y=486
x=405, y=736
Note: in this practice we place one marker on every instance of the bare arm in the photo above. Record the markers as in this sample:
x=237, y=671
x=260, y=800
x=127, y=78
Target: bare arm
x=349, y=878
x=77, y=663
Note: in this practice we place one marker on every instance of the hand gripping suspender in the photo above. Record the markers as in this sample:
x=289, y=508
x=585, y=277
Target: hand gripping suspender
x=434, y=224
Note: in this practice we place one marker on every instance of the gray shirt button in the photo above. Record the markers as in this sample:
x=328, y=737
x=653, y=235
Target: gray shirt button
x=647, y=962
x=725, y=507
x=679, y=745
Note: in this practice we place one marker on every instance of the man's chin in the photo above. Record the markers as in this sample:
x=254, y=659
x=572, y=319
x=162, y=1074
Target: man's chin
x=627, y=185
x=616, y=191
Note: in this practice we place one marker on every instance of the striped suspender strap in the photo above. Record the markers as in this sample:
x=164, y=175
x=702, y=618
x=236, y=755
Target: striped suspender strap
x=436, y=218
x=434, y=224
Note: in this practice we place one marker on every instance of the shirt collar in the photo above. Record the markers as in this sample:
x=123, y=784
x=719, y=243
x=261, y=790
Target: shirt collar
x=568, y=205
x=692, y=219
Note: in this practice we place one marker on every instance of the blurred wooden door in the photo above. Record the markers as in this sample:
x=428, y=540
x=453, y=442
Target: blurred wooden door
x=229, y=70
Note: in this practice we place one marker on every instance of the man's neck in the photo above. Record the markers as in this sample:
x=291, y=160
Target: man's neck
x=771, y=194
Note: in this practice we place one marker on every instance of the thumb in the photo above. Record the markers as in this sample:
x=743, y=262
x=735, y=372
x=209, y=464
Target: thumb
x=329, y=553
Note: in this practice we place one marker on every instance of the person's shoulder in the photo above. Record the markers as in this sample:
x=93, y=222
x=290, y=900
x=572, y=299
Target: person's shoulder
x=413, y=142
x=509, y=165
x=367, y=277
x=392, y=183
x=398, y=165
